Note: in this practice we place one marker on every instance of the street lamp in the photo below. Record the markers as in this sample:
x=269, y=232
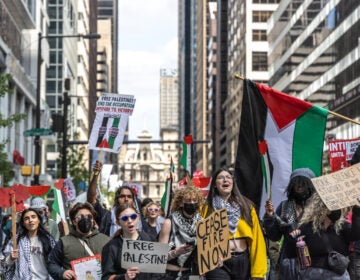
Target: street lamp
x=38, y=93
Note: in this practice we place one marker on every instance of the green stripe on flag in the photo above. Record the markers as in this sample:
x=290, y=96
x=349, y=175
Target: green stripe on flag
x=309, y=140
x=183, y=159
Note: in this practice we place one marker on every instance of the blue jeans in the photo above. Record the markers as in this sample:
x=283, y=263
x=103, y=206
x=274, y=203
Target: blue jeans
x=354, y=266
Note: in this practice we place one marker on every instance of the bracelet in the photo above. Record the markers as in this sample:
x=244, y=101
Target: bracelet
x=96, y=173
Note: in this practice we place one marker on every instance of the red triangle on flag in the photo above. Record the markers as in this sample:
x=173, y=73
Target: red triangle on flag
x=284, y=108
x=104, y=144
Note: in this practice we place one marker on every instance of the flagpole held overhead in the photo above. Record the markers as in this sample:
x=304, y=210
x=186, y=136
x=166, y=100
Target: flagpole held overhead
x=237, y=76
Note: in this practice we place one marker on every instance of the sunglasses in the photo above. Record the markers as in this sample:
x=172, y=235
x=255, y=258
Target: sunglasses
x=127, y=217
x=129, y=196
x=153, y=210
x=82, y=216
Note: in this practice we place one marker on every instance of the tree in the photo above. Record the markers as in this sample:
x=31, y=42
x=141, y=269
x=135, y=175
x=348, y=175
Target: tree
x=76, y=164
x=5, y=164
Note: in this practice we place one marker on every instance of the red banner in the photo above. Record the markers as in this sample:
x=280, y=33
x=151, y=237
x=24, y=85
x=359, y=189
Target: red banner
x=341, y=152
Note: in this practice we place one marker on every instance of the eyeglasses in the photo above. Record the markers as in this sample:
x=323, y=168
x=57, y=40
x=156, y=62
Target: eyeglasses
x=127, y=217
x=129, y=196
x=82, y=216
x=153, y=210
x=227, y=177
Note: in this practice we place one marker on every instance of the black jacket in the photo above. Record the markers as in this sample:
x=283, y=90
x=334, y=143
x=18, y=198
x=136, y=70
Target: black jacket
x=111, y=259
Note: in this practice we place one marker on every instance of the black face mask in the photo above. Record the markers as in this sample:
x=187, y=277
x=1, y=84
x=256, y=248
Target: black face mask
x=85, y=225
x=334, y=215
x=191, y=208
x=300, y=198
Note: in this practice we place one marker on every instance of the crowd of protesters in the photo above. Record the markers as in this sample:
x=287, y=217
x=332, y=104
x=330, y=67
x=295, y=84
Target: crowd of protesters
x=42, y=251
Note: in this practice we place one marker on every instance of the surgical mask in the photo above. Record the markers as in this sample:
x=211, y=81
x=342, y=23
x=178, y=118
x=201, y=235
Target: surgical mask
x=85, y=225
x=334, y=215
x=191, y=208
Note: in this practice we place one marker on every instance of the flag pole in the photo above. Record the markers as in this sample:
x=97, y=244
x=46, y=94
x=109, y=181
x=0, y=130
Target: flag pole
x=13, y=220
x=237, y=76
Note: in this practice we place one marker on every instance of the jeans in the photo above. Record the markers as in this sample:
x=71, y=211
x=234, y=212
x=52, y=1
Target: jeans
x=236, y=268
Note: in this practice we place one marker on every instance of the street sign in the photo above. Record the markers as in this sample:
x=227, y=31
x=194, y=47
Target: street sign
x=37, y=132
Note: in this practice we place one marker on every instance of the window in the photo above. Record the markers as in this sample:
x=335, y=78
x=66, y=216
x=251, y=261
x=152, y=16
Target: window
x=261, y=16
x=259, y=35
x=259, y=61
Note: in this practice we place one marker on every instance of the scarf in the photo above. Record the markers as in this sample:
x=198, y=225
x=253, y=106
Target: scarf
x=183, y=230
x=288, y=214
x=23, y=264
x=233, y=211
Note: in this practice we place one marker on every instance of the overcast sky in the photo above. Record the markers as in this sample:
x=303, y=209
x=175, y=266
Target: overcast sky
x=147, y=42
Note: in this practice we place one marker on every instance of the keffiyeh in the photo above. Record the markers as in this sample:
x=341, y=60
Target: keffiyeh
x=233, y=211
x=183, y=230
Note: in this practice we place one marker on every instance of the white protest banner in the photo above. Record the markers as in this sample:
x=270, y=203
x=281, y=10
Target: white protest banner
x=112, y=114
x=88, y=268
x=339, y=189
x=147, y=256
x=212, y=238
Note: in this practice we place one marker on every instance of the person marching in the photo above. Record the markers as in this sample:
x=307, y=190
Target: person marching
x=278, y=224
x=246, y=240
x=29, y=260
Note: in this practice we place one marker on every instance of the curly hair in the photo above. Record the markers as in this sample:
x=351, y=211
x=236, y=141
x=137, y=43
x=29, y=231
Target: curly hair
x=316, y=212
x=189, y=192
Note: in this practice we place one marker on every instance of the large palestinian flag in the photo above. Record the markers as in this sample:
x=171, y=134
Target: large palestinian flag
x=278, y=133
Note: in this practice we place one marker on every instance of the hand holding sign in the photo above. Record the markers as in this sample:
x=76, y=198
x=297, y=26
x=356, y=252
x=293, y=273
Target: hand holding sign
x=131, y=273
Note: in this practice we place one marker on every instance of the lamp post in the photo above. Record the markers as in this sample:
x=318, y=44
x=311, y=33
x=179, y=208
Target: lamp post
x=38, y=93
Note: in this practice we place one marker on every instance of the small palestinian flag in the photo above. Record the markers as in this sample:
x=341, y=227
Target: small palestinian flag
x=186, y=156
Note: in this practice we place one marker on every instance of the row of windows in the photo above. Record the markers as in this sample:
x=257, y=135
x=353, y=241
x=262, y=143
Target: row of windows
x=261, y=16
x=266, y=1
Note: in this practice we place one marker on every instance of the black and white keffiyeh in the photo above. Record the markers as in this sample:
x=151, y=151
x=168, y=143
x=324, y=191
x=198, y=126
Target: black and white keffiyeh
x=233, y=211
x=288, y=214
x=183, y=230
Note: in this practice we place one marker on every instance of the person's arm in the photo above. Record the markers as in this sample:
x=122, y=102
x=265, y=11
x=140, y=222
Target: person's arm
x=54, y=263
x=91, y=193
x=257, y=249
x=108, y=262
x=270, y=224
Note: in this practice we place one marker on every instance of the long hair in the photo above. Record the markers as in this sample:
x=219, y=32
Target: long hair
x=43, y=235
x=235, y=197
x=316, y=212
x=184, y=193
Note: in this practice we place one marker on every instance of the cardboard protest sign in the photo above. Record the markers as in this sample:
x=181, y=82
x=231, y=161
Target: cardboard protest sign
x=88, y=268
x=212, y=236
x=339, y=189
x=112, y=113
x=147, y=256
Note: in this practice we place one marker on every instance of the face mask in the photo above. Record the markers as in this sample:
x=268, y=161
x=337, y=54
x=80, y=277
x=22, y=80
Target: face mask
x=191, y=208
x=334, y=215
x=85, y=225
x=300, y=197
x=44, y=219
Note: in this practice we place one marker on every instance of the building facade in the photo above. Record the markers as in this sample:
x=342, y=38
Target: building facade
x=314, y=56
